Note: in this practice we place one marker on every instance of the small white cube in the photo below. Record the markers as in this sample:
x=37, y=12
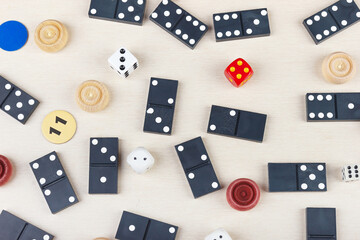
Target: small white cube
x=350, y=173
x=140, y=160
x=123, y=62
x=219, y=234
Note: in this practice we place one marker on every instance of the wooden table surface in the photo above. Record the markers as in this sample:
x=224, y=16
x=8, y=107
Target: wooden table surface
x=287, y=65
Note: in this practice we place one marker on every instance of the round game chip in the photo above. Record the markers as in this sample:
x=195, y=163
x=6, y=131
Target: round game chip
x=58, y=126
x=5, y=170
x=51, y=36
x=338, y=68
x=92, y=96
x=243, y=194
x=13, y=35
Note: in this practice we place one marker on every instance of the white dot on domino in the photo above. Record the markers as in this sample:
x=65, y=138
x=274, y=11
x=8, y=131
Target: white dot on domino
x=103, y=179
x=19, y=105
x=132, y=228
x=166, y=129
x=21, y=116
x=103, y=149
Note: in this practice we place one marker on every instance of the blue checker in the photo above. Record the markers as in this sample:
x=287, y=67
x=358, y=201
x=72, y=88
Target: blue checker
x=13, y=35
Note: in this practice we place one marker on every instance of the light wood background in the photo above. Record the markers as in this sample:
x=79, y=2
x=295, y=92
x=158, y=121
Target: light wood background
x=287, y=65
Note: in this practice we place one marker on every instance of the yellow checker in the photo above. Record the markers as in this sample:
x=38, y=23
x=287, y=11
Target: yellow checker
x=58, y=127
x=239, y=76
x=239, y=63
x=232, y=69
x=51, y=36
x=92, y=96
x=246, y=70
x=338, y=68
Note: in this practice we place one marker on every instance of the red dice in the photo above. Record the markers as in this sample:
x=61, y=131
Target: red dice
x=238, y=72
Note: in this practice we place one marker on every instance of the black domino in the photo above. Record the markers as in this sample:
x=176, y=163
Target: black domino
x=179, y=23
x=103, y=175
x=160, y=106
x=197, y=167
x=15, y=102
x=292, y=177
x=130, y=11
x=241, y=24
x=333, y=106
x=53, y=182
x=237, y=123
x=332, y=19
x=14, y=228
x=136, y=227
x=321, y=223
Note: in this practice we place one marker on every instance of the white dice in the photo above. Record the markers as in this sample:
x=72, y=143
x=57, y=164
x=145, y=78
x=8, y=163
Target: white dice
x=219, y=234
x=350, y=173
x=123, y=62
x=140, y=160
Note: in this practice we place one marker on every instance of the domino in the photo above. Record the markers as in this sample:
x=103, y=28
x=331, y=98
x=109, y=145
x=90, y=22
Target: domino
x=237, y=123
x=241, y=24
x=321, y=223
x=291, y=177
x=197, y=167
x=14, y=228
x=53, y=182
x=160, y=106
x=15, y=102
x=179, y=23
x=333, y=106
x=136, y=227
x=103, y=175
x=332, y=20
x=350, y=173
x=125, y=11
